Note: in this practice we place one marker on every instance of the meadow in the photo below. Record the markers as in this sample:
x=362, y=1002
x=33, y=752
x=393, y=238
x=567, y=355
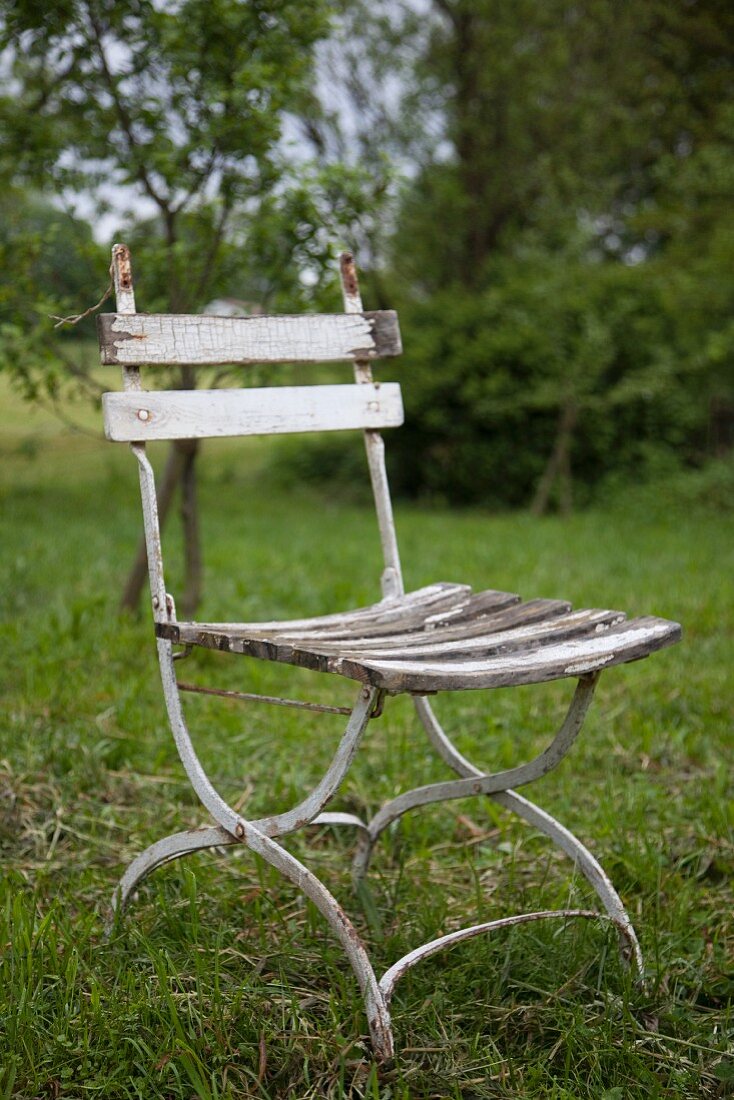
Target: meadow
x=221, y=981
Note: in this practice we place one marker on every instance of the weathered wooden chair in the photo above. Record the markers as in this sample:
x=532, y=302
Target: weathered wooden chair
x=440, y=638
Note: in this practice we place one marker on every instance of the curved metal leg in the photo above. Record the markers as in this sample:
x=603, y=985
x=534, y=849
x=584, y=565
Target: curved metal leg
x=179, y=844
x=378, y=1015
x=478, y=783
x=193, y=840
x=223, y=814
x=402, y=966
x=229, y=823
x=336, y=817
x=545, y=823
x=231, y=828
x=589, y=866
x=164, y=851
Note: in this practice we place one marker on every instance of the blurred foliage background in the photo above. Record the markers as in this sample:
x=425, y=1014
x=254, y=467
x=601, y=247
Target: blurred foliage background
x=543, y=191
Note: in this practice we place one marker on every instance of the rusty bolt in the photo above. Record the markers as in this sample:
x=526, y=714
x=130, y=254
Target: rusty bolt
x=239, y=830
x=143, y=414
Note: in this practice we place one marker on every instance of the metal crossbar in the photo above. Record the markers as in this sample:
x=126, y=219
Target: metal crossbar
x=274, y=700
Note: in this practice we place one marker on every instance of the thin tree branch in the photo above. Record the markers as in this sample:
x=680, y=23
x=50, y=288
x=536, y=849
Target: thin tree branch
x=206, y=271
x=124, y=116
x=75, y=318
x=200, y=179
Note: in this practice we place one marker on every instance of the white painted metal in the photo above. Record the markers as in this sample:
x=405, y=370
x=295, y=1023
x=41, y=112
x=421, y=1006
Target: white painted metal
x=479, y=784
x=222, y=813
x=164, y=851
x=390, y=978
x=589, y=866
x=122, y=279
x=233, y=825
x=392, y=576
x=336, y=817
x=257, y=836
x=166, y=340
x=151, y=526
x=306, y=811
x=378, y=1015
x=194, y=840
x=445, y=748
x=545, y=823
x=201, y=414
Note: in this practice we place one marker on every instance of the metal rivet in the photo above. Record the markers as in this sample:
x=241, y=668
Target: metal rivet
x=239, y=830
x=143, y=414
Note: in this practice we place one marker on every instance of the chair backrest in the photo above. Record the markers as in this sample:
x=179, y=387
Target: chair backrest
x=137, y=415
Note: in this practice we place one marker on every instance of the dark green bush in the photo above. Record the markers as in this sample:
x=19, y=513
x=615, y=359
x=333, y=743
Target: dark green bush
x=487, y=379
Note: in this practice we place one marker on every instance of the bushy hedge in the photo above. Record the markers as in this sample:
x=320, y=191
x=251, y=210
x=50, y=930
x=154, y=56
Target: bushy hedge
x=486, y=380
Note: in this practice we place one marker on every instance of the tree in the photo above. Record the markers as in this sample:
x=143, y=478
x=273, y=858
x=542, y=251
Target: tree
x=48, y=261
x=553, y=112
x=573, y=181
x=178, y=104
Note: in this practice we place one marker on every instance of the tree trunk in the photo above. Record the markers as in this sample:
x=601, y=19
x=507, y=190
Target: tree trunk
x=558, y=465
x=191, y=533
x=190, y=514
x=165, y=492
x=180, y=467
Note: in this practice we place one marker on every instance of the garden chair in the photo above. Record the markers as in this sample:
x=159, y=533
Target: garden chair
x=443, y=637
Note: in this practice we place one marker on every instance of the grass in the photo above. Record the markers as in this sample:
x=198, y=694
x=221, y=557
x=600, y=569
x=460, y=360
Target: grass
x=222, y=982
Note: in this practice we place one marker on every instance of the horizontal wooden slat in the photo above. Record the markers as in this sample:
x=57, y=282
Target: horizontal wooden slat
x=136, y=416
x=422, y=644
x=417, y=604
x=417, y=620
x=629, y=641
x=165, y=340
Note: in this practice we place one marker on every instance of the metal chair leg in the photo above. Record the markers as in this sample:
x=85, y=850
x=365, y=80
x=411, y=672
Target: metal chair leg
x=231, y=828
x=164, y=851
x=545, y=823
x=478, y=783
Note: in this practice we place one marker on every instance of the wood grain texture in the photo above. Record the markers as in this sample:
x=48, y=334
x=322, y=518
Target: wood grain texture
x=492, y=640
x=417, y=604
x=202, y=414
x=167, y=340
x=485, y=638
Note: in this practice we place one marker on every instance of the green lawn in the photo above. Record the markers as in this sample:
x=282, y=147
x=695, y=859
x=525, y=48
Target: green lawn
x=222, y=982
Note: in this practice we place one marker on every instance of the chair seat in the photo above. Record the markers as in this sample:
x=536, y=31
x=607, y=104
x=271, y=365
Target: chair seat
x=443, y=638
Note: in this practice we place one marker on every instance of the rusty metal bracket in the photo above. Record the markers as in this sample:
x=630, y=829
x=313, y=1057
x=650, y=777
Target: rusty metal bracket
x=379, y=706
